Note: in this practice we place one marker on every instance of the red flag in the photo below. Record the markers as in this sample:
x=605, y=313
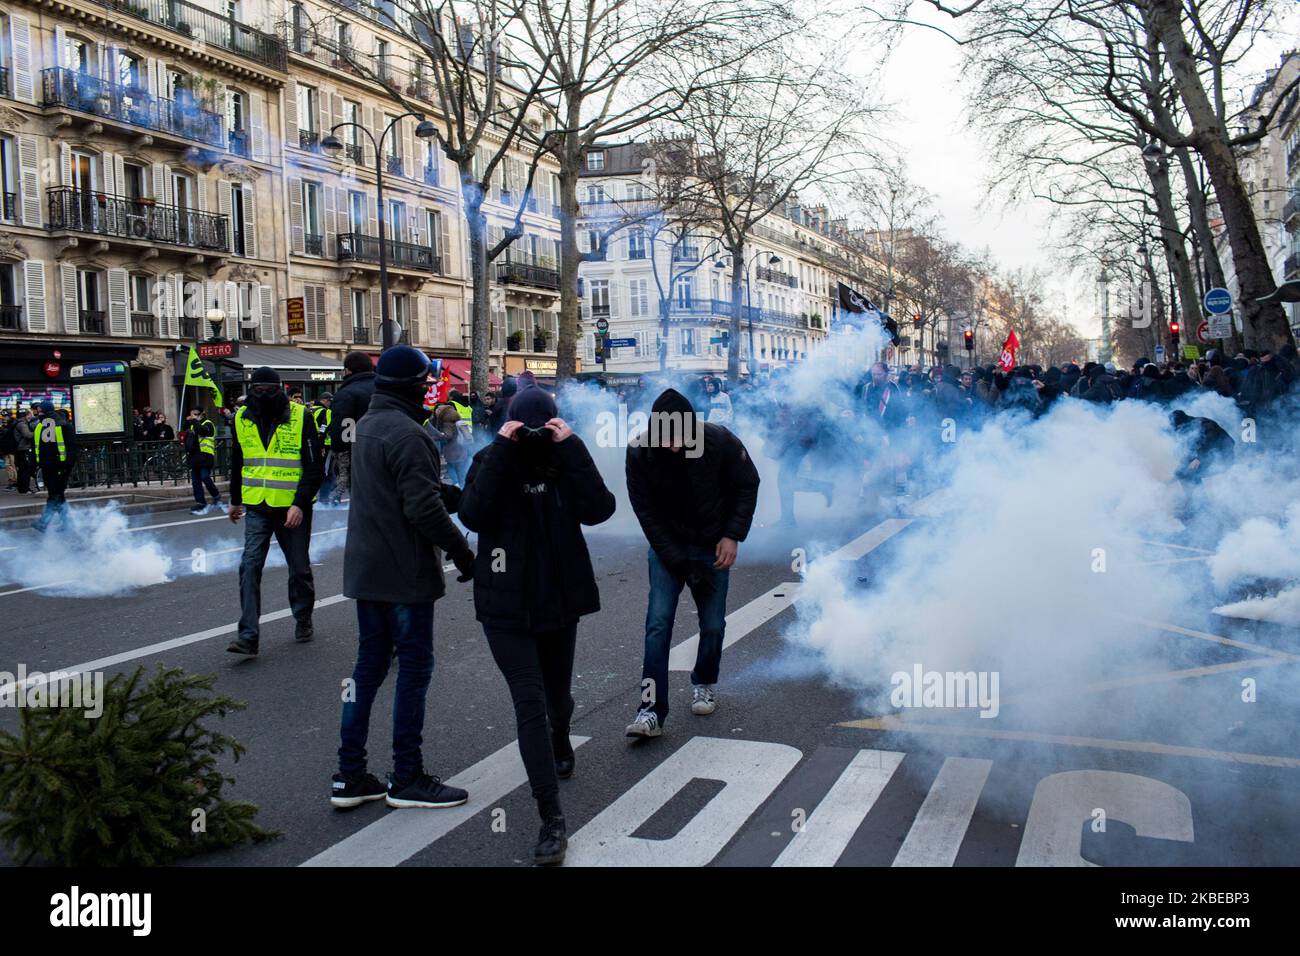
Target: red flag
x=1007, y=360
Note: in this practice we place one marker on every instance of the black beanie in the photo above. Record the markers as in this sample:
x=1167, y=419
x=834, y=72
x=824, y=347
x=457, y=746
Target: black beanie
x=533, y=406
x=265, y=376
x=671, y=400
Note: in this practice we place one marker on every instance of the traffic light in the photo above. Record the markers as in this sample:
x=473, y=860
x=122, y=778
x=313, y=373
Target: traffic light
x=968, y=339
x=726, y=339
x=1173, y=333
x=917, y=321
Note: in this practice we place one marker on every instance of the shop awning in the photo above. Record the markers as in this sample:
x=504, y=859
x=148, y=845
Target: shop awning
x=293, y=364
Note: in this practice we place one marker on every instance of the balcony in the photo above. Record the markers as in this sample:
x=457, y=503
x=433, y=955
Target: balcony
x=4, y=81
x=9, y=207
x=686, y=254
x=92, y=322
x=143, y=325
x=309, y=140
x=248, y=332
x=541, y=274
x=206, y=28
x=764, y=274
x=237, y=142
x=131, y=105
x=1292, y=209
x=11, y=318
x=360, y=335
x=353, y=153
x=190, y=327
x=393, y=166
x=313, y=245
x=101, y=214
x=358, y=247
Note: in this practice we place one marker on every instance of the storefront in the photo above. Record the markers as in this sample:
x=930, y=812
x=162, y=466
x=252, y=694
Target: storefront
x=543, y=368
x=33, y=372
x=302, y=371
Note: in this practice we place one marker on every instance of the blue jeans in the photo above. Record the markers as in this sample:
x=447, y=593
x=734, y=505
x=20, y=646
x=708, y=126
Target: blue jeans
x=456, y=472
x=384, y=628
x=56, y=504
x=710, y=604
x=200, y=478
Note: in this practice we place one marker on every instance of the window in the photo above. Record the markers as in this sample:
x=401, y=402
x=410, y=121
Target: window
x=397, y=220
x=141, y=287
x=595, y=160
x=311, y=217
x=237, y=224
x=684, y=291
x=636, y=243
x=688, y=341
x=174, y=83
x=635, y=191
x=236, y=111
x=595, y=194
x=400, y=315
x=89, y=303
x=381, y=58
x=433, y=227
x=640, y=297
x=306, y=108
x=127, y=71
x=357, y=212
x=343, y=38
x=360, y=312
x=7, y=178
x=298, y=20
x=600, y=297
x=76, y=55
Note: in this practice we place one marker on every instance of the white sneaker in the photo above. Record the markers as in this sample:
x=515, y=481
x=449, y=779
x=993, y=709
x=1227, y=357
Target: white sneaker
x=646, y=724
x=703, y=702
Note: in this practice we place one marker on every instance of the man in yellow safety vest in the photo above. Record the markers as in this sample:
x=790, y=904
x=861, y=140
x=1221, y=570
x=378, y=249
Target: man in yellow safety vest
x=201, y=448
x=55, y=445
x=275, y=473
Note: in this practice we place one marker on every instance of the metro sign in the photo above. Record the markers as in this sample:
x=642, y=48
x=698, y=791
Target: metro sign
x=217, y=350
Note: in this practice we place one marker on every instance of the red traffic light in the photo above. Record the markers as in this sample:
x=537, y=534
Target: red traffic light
x=1173, y=327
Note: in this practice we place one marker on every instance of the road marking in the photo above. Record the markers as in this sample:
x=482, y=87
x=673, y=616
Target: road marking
x=401, y=834
x=941, y=823
x=1156, y=678
x=894, y=725
x=750, y=770
x=1064, y=802
x=1164, y=544
x=1214, y=638
x=1148, y=564
x=763, y=608
x=827, y=831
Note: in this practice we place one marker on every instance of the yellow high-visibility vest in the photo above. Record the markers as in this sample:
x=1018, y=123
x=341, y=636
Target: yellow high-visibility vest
x=207, y=439
x=323, y=416
x=58, y=440
x=465, y=412
x=271, y=472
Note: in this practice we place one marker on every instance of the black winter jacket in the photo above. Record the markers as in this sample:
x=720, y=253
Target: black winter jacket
x=723, y=485
x=398, y=525
x=533, y=570
x=350, y=403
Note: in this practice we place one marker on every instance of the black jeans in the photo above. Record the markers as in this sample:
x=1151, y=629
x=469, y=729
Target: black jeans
x=259, y=527
x=200, y=478
x=538, y=666
x=26, y=462
x=56, y=505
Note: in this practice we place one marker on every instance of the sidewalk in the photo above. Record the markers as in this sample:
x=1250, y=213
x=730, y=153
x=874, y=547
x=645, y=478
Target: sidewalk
x=16, y=509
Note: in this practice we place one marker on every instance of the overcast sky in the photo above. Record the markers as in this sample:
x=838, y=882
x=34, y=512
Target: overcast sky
x=922, y=79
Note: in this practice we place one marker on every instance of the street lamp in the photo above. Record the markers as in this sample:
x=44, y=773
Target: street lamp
x=773, y=259
x=333, y=146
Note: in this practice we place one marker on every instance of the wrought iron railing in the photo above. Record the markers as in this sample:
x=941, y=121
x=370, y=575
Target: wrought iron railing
x=239, y=143
x=11, y=318
x=309, y=139
x=764, y=274
x=190, y=327
x=541, y=275
x=354, y=152
x=124, y=462
x=131, y=105
x=4, y=81
x=686, y=254
x=103, y=214
x=313, y=245
x=10, y=208
x=143, y=325
x=393, y=165
x=360, y=335
x=358, y=247
x=208, y=27
x=92, y=322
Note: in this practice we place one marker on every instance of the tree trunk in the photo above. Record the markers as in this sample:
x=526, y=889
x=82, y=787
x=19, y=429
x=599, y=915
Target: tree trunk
x=1213, y=276
x=480, y=287
x=1265, y=323
x=1171, y=238
x=570, y=156
x=737, y=309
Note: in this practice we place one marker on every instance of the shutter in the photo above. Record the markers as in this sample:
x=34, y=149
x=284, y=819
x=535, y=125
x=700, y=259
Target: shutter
x=372, y=204
x=266, y=312
x=65, y=165
x=257, y=125
x=20, y=34
x=34, y=294
x=151, y=77
x=323, y=101
x=250, y=223
x=60, y=41
x=330, y=226
x=29, y=161
x=291, y=112
x=223, y=198
x=119, y=322
x=337, y=118
x=230, y=304
x=201, y=193
x=296, y=215
x=159, y=182
x=119, y=174
x=168, y=197
x=444, y=245
x=366, y=119
x=413, y=167
x=375, y=314
x=68, y=287
x=415, y=319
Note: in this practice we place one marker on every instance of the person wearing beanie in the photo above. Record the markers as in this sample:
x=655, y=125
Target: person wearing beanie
x=54, y=442
x=275, y=472
x=350, y=403
x=527, y=495
x=694, y=488
x=398, y=530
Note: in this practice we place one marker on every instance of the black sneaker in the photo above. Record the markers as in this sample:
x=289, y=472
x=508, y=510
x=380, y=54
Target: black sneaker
x=563, y=751
x=303, y=633
x=352, y=790
x=242, y=645
x=552, y=841
x=424, y=791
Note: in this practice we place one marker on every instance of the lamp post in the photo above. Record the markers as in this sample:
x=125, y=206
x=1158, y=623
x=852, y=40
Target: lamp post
x=720, y=263
x=332, y=145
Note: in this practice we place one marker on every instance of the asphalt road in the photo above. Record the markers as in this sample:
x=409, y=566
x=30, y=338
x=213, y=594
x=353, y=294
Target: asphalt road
x=790, y=770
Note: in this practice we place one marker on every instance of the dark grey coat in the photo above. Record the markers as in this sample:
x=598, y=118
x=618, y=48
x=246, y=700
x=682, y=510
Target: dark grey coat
x=398, y=526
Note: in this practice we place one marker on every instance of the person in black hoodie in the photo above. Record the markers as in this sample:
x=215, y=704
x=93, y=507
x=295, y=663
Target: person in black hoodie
x=528, y=494
x=350, y=403
x=693, y=487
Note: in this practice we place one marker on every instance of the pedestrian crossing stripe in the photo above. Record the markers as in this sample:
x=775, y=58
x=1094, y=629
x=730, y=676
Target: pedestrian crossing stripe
x=816, y=805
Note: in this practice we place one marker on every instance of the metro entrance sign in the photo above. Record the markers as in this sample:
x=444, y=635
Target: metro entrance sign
x=1218, y=301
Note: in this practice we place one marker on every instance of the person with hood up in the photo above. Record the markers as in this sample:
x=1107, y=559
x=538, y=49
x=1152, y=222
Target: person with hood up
x=693, y=487
x=528, y=494
x=275, y=471
x=350, y=403
x=398, y=529
x=55, y=447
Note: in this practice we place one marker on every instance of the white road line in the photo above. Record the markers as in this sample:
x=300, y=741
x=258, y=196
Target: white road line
x=36, y=587
x=1148, y=564
x=940, y=824
x=1165, y=544
x=401, y=834
x=828, y=829
x=896, y=725
x=1159, y=677
x=766, y=606
x=1214, y=638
